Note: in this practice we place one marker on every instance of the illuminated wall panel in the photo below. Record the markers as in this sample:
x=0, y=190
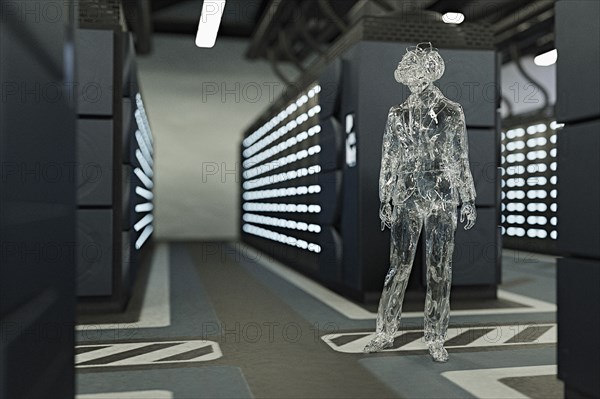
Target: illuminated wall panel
x=281, y=165
x=143, y=183
x=529, y=185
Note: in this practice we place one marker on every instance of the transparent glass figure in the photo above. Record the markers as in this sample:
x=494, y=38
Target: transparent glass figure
x=424, y=176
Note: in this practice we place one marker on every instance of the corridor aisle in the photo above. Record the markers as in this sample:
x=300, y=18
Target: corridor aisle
x=211, y=320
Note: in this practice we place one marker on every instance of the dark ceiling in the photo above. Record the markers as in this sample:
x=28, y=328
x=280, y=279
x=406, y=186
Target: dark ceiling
x=181, y=16
x=308, y=26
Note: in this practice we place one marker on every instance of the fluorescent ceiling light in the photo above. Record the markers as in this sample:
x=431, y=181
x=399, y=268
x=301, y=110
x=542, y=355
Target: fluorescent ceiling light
x=453, y=18
x=547, y=58
x=210, y=19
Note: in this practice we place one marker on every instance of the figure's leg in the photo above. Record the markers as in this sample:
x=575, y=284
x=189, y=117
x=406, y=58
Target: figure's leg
x=440, y=226
x=404, y=237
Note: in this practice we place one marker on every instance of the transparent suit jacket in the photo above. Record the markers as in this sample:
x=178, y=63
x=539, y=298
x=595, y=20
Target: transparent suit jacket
x=425, y=152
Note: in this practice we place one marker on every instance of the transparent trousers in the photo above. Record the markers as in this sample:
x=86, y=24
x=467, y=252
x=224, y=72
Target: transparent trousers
x=439, y=220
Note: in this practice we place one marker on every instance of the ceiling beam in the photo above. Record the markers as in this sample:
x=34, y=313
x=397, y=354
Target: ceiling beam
x=272, y=13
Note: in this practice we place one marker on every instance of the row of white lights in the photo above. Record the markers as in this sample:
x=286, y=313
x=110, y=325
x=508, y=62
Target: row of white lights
x=271, y=235
x=531, y=130
x=532, y=181
x=282, y=131
x=531, y=233
x=531, y=155
x=145, y=173
x=144, y=119
x=257, y=150
x=283, y=161
x=531, y=194
x=283, y=223
x=287, y=208
x=283, y=115
x=531, y=207
x=145, y=150
x=520, y=219
x=142, y=136
x=281, y=177
x=284, y=145
x=146, y=167
x=531, y=168
x=144, y=155
x=143, y=178
x=144, y=147
x=534, y=142
x=281, y=192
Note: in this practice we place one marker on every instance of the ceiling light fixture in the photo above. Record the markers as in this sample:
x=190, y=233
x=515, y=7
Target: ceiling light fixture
x=453, y=18
x=547, y=58
x=210, y=20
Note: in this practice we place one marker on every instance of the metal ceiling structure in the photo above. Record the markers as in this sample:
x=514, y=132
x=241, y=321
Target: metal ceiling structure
x=181, y=16
x=307, y=25
x=299, y=31
x=293, y=31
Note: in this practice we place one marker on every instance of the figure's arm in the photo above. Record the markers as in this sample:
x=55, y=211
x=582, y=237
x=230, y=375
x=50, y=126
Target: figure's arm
x=390, y=155
x=464, y=183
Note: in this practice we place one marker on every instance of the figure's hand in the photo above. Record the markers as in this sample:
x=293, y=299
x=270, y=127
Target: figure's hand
x=385, y=214
x=468, y=213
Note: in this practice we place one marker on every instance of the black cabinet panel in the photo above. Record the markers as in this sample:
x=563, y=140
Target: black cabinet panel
x=94, y=162
x=578, y=45
x=578, y=149
x=94, y=252
x=477, y=251
x=578, y=283
x=95, y=71
x=483, y=159
x=579, y=189
x=331, y=88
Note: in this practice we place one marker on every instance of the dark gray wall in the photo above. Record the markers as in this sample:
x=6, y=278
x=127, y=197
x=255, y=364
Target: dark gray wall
x=37, y=201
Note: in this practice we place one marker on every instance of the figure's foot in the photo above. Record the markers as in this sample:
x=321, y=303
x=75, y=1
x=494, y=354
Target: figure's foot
x=379, y=343
x=438, y=352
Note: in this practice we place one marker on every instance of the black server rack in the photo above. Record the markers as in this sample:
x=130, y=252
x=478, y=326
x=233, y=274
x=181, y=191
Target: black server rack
x=115, y=156
x=310, y=164
x=578, y=274
x=37, y=200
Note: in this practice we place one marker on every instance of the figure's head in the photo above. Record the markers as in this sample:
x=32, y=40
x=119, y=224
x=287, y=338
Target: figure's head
x=421, y=65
